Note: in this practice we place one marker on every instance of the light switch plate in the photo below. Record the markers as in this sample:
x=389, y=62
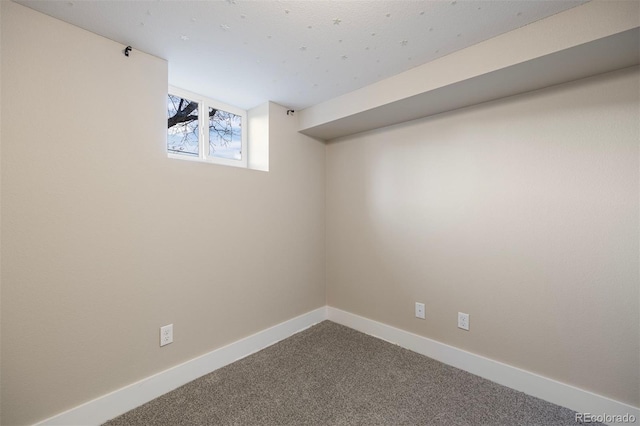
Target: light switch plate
x=420, y=310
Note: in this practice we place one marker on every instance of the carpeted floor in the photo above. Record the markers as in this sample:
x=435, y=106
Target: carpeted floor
x=332, y=375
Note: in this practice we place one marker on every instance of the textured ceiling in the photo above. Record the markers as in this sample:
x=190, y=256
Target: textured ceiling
x=295, y=53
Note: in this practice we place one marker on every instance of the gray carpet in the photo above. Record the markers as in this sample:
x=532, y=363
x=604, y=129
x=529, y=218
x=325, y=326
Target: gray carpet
x=332, y=375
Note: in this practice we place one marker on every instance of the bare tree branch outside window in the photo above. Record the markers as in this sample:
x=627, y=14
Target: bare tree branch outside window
x=182, y=124
x=225, y=129
x=225, y=132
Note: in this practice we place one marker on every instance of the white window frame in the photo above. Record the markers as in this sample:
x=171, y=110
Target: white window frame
x=204, y=104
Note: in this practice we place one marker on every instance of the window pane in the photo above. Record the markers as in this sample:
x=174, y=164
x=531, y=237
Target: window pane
x=225, y=134
x=182, y=126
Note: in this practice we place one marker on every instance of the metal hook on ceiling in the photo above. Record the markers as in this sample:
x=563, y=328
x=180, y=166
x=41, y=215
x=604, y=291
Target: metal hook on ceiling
x=127, y=50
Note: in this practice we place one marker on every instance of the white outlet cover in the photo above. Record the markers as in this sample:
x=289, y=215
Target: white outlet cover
x=166, y=334
x=463, y=321
x=420, y=310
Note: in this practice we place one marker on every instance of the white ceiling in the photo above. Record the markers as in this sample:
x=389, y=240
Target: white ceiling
x=295, y=53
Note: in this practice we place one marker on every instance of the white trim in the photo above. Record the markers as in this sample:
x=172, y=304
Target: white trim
x=533, y=384
x=204, y=103
x=108, y=406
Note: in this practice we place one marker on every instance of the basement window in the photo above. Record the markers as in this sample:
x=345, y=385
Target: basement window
x=203, y=129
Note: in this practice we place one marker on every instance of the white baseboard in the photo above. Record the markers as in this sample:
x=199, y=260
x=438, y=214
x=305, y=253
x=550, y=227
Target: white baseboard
x=106, y=407
x=533, y=384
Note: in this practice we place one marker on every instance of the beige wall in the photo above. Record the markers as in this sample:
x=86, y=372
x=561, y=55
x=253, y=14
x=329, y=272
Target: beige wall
x=523, y=213
x=0, y=214
x=104, y=239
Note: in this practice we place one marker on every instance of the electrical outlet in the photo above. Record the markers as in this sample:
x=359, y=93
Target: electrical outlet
x=166, y=334
x=463, y=321
x=419, y=310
